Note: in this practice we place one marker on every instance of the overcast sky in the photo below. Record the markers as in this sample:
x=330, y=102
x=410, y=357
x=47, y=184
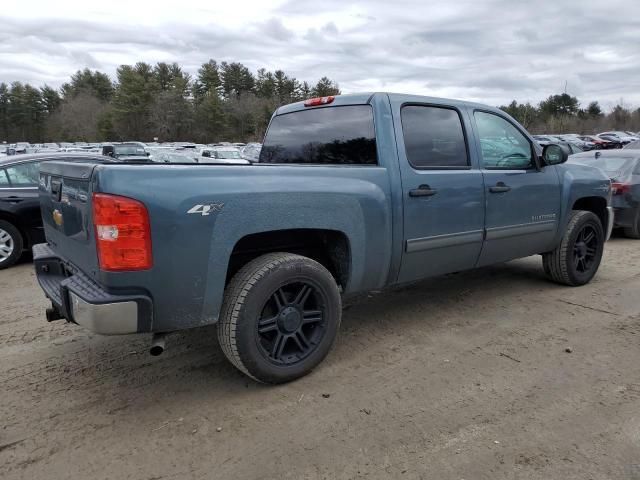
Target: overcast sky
x=485, y=50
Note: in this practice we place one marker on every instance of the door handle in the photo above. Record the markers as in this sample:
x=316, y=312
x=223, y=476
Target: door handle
x=14, y=199
x=422, y=191
x=499, y=188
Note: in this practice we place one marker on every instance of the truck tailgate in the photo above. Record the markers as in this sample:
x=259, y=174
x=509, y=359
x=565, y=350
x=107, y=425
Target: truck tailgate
x=65, y=202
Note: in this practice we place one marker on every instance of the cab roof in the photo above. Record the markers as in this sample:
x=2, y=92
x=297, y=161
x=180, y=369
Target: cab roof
x=365, y=98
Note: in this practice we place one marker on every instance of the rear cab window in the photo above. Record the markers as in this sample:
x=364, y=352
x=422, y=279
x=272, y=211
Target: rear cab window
x=338, y=135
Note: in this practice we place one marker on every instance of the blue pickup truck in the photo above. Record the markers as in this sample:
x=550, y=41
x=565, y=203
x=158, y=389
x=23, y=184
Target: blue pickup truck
x=350, y=193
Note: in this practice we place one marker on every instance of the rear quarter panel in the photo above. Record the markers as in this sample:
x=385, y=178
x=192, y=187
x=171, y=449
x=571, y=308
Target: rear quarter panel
x=191, y=251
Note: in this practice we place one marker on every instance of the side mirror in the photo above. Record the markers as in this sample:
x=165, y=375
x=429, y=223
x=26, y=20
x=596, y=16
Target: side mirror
x=108, y=150
x=554, y=154
x=206, y=153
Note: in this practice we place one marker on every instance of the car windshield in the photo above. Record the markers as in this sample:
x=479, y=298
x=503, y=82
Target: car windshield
x=129, y=150
x=178, y=158
x=226, y=154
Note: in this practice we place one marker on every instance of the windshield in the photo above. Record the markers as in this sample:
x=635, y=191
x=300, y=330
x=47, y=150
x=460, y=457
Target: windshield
x=226, y=154
x=129, y=150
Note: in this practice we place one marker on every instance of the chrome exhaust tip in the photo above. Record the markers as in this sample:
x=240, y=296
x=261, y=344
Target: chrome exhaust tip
x=157, y=344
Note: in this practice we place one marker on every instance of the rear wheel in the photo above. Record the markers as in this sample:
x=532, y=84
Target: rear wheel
x=634, y=230
x=10, y=244
x=576, y=260
x=280, y=317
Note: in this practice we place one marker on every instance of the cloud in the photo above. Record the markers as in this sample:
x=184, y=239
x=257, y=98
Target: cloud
x=491, y=51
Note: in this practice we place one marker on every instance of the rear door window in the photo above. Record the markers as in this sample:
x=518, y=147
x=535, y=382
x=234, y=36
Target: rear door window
x=433, y=137
x=325, y=136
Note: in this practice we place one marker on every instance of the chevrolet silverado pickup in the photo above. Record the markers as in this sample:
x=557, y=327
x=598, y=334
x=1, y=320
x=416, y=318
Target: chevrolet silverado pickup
x=349, y=194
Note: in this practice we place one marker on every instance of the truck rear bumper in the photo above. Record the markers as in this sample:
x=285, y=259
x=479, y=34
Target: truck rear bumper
x=79, y=299
x=106, y=318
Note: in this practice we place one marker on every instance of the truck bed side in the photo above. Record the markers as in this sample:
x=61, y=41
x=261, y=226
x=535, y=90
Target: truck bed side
x=191, y=251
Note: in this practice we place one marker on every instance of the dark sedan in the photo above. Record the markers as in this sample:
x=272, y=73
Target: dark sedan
x=615, y=141
x=20, y=220
x=600, y=143
x=623, y=167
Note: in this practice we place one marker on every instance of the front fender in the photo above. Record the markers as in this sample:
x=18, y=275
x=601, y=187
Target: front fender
x=578, y=182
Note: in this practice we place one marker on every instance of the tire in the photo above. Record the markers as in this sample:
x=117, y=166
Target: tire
x=11, y=244
x=280, y=317
x=576, y=259
x=634, y=231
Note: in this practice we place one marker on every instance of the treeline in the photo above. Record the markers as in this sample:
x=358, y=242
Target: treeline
x=224, y=101
x=562, y=113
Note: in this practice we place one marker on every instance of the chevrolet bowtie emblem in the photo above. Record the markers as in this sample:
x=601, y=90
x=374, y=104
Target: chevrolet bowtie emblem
x=57, y=217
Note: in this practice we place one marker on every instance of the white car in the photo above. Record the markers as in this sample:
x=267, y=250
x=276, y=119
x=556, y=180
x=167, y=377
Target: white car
x=228, y=155
x=624, y=137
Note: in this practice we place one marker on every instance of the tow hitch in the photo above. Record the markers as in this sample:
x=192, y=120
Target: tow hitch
x=52, y=313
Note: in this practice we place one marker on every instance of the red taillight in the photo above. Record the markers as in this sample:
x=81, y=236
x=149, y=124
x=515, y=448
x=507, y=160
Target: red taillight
x=123, y=236
x=314, y=102
x=618, y=188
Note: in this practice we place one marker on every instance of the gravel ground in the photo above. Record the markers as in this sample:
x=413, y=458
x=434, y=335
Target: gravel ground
x=462, y=377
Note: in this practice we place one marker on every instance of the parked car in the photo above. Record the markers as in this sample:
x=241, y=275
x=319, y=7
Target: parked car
x=572, y=147
x=547, y=139
x=575, y=139
x=20, y=220
x=169, y=155
x=227, y=155
x=544, y=139
x=623, y=167
x=333, y=207
x=623, y=137
x=132, y=150
x=615, y=141
x=251, y=151
x=600, y=143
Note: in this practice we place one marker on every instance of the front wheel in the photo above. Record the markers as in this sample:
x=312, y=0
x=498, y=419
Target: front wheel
x=576, y=260
x=280, y=317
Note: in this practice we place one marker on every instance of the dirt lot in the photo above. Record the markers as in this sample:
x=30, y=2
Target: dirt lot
x=462, y=377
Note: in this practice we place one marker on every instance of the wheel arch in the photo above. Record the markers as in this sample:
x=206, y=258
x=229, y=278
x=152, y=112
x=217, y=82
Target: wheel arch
x=596, y=205
x=330, y=248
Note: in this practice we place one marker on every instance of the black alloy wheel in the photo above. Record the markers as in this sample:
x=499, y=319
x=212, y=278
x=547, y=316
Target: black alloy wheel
x=291, y=324
x=280, y=316
x=585, y=249
x=576, y=259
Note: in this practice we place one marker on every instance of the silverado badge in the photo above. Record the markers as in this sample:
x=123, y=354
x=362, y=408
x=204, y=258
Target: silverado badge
x=57, y=217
